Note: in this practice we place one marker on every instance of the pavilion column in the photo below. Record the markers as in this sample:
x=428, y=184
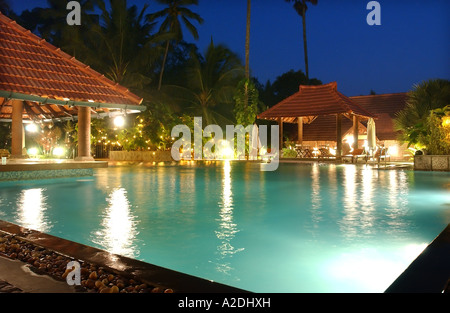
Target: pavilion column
x=355, y=131
x=300, y=130
x=17, y=131
x=84, y=134
x=338, y=136
x=280, y=127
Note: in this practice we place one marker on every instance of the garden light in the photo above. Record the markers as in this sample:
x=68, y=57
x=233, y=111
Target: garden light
x=32, y=151
x=119, y=121
x=32, y=128
x=58, y=151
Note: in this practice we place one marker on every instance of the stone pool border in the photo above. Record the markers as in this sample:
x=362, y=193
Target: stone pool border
x=27, y=170
x=145, y=272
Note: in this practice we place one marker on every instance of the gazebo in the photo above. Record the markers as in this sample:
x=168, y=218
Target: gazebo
x=311, y=102
x=39, y=82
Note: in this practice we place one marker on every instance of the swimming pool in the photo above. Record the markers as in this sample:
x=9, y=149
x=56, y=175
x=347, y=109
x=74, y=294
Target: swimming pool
x=302, y=228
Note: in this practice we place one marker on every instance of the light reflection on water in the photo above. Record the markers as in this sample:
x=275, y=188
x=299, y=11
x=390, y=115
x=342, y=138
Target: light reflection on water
x=227, y=227
x=117, y=233
x=309, y=228
x=32, y=208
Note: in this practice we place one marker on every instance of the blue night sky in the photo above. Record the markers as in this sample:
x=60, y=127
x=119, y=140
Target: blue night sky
x=412, y=43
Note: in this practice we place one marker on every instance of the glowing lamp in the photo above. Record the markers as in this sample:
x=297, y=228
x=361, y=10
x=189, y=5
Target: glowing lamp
x=32, y=151
x=32, y=128
x=119, y=121
x=446, y=121
x=58, y=151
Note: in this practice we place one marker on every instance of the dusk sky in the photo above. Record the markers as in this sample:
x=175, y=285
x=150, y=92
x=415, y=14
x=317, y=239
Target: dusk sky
x=411, y=45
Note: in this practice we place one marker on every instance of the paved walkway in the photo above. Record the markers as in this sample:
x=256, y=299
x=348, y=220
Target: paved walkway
x=16, y=276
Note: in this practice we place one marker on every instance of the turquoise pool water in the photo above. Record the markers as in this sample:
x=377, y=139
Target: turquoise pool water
x=302, y=228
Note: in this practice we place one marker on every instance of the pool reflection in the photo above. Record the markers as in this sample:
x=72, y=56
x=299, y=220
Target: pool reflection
x=366, y=189
x=227, y=226
x=31, y=209
x=118, y=232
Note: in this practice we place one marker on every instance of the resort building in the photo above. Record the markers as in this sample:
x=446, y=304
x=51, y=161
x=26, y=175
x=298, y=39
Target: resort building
x=328, y=117
x=39, y=83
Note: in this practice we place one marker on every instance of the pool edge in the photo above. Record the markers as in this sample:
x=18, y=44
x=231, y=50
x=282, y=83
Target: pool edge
x=179, y=282
x=430, y=271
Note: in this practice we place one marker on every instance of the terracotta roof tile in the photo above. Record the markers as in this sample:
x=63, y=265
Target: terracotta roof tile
x=385, y=106
x=323, y=128
x=30, y=65
x=315, y=101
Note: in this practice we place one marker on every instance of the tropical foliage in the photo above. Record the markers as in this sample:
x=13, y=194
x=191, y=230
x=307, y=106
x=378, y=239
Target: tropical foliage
x=419, y=121
x=145, y=51
x=211, y=82
x=247, y=100
x=437, y=132
x=175, y=10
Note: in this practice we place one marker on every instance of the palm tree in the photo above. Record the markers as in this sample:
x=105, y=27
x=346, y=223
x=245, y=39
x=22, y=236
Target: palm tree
x=247, y=56
x=301, y=7
x=50, y=23
x=247, y=42
x=5, y=7
x=175, y=10
x=426, y=96
x=120, y=45
x=211, y=85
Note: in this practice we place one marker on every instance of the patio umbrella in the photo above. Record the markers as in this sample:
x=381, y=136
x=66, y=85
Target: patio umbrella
x=371, y=136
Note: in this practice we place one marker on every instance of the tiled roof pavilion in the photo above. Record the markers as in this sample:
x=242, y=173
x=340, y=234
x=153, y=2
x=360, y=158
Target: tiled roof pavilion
x=317, y=102
x=40, y=82
x=51, y=83
x=384, y=106
x=312, y=101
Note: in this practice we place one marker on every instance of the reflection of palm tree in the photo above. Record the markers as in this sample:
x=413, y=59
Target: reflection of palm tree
x=211, y=83
x=176, y=9
x=301, y=7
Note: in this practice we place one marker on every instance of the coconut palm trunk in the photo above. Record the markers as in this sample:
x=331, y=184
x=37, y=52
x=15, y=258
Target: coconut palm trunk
x=305, y=48
x=247, y=54
x=247, y=42
x=301, y=7
x=163, y=65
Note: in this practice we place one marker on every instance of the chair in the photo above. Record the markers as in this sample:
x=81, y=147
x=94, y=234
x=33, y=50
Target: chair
x=325, y=153
x=382, y=153
x=355, y=155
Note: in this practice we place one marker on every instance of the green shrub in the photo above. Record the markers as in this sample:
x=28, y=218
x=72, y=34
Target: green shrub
x=289, y=153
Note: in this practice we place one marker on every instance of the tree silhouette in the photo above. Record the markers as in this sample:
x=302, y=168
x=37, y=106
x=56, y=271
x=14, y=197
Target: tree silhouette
x=176, y=10
x=301, y=7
